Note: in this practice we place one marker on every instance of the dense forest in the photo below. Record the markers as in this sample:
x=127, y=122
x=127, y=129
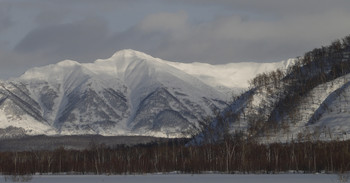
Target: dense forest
x=229, y=156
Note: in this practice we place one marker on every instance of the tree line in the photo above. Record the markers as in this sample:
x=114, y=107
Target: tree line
x=230, y=155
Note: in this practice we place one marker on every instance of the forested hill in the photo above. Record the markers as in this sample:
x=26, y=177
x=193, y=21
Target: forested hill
x=308, y=101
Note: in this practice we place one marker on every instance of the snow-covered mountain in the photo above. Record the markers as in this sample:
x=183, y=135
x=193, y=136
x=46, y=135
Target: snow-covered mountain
x=130, y=93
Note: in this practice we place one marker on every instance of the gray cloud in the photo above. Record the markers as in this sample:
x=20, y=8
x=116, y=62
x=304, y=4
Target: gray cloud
x=274, y=7
x=217, y=31
x=5, y=19
x=52, y=17
x=77, y=40
x=232, y=38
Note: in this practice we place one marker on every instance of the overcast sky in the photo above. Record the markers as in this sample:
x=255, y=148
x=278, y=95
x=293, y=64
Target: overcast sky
x=40, y=32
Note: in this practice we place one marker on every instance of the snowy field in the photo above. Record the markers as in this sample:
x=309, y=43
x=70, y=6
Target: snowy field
x=181, y=178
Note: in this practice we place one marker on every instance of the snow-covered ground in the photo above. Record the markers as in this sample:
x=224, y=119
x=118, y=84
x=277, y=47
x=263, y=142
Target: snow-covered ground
x=186, y=178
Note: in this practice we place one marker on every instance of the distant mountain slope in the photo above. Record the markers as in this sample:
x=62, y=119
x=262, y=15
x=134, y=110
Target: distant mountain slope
x=232, y=77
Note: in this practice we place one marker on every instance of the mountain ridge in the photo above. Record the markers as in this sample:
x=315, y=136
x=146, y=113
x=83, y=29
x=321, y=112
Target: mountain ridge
x=130, y=93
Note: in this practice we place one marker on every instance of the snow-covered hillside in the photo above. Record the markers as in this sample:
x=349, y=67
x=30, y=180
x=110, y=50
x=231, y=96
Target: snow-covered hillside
x=322, y=114
x=308, y=101
x=130, y=93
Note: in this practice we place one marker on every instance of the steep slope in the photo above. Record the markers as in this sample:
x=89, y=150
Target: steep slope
x=19, y=109
x=71, y=100
x=331, y=120
x=153, y=86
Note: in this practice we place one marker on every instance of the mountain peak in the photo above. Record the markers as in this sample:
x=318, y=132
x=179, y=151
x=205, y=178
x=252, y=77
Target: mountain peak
x=67, y=63
x=129, y=53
